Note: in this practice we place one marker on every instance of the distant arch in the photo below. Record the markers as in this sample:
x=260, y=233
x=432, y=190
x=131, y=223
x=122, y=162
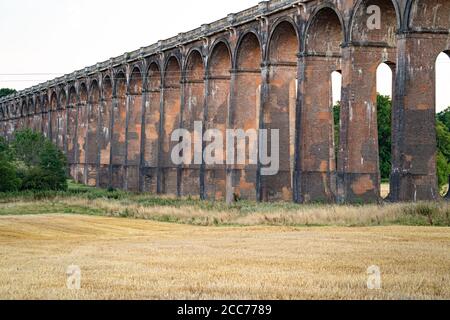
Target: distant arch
x=72, y=100
x=120, y=87
x=325, y=32
x=94, y=92
x=54, y=101
x=154, y=77
x=31, y=106
x=195, y=67
x=283, y=33
x=172, y=72
x=427, y=15
x=220, y=59
x=249, y=51
x=62, y=99
x=136, y=81
x=83, y=98
x=390, y=22
x=107, y=88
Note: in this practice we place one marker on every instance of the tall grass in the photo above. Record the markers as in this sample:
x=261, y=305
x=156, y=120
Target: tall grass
x=86, y=200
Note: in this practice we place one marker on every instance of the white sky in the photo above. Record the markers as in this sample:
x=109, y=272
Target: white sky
x=41, y=40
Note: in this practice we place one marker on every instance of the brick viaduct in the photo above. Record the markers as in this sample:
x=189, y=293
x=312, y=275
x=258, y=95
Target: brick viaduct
x=267, y=67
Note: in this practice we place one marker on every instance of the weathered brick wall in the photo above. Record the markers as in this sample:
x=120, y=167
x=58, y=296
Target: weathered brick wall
x=266, y=67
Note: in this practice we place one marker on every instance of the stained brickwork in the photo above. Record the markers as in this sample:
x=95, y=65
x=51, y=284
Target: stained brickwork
x=268, y=67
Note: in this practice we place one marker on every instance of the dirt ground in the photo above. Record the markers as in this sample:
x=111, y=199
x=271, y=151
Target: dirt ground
x=136, y=259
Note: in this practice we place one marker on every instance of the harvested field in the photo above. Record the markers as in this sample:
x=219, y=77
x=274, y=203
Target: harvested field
x=136, y=259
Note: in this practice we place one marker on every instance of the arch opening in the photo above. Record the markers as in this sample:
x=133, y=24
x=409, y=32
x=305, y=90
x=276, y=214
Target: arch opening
x=385, y=91
x=336, y=85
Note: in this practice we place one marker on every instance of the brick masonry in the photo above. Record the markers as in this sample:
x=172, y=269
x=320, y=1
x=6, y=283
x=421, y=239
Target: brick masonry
x=266, y=67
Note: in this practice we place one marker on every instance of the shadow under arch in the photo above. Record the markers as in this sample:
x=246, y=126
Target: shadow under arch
x=171, y=120
x=118, y=135
x=193, y=113
x=152, y=130
x=214, y=182
x=246, y=115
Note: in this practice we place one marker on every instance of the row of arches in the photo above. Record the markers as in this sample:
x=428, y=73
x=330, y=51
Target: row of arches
x=120, y=129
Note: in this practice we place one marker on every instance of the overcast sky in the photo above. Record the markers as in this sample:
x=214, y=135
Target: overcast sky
x=41, y=40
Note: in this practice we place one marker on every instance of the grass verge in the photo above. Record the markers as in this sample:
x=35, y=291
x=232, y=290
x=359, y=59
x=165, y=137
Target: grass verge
x=91, y=201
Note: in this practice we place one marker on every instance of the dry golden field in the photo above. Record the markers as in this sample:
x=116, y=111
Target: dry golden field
x=137, y=259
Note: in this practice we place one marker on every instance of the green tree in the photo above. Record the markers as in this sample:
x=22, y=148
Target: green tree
x=4, y=149
x=384, y=116
x=53, y=163
x=40, y=164
x=444, y=117
x=6, y=92
x=26, y=146
x=443, y=147
x=337, y=127
x=9, y=180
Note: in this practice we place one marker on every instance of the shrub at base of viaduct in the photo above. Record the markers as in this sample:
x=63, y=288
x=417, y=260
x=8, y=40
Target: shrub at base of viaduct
x=266, y=67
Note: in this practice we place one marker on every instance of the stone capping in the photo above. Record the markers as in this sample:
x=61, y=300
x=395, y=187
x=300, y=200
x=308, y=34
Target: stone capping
x=205, y=30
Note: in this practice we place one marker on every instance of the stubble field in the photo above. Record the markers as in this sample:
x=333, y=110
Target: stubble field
x=122, y=258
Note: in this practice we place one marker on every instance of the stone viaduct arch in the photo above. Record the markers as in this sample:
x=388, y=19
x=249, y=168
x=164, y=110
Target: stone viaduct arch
x=71, y=132
x=268, y=67
x=152, y=129
x=118, y=137
x=104, y=132
x=193, y=111
x=245, y=110
x=321, y=56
